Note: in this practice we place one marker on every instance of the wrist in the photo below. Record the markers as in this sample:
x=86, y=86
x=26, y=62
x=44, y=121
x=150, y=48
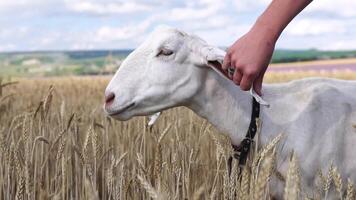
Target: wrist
x=270, y=31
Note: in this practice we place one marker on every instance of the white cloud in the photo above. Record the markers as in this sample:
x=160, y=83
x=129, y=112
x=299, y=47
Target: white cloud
x=79, y=24
x=179, y=14
x=250, y=6
x=82, y=46
x=14, y=32
x=50, y=39
x=340, y=44
x=343, y=8
x=28, y=7
x=6, y=5
x=132, y=31
x=216, y=22
x=223, y=37
x=7, y=47
x=100, y=8
x=316, y=27
x=89, y=7
x=196, y=10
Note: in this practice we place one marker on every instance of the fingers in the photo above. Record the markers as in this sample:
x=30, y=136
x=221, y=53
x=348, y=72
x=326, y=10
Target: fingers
x=237, y=76
x=257, y=84
x=246, y=81
x=242, y=77
x=227, y=62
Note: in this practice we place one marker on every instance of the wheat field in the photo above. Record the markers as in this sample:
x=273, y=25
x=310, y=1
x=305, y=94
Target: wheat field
x=56, y=143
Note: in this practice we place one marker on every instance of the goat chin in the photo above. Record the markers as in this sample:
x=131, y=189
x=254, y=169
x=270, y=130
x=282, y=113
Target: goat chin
x=121, y=117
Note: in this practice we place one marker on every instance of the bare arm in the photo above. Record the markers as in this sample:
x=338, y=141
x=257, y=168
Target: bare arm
x=251, y=54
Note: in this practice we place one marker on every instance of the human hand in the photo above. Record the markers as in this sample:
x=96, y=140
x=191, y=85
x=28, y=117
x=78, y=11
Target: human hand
x=250, y=56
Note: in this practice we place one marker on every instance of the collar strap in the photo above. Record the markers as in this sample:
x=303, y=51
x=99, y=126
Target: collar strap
x=241, y=151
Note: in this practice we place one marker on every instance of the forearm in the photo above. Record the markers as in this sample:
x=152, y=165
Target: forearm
x=278, y=15
x=251, y=54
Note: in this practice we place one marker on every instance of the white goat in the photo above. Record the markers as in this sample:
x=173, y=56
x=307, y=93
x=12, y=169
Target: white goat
x=172, y=68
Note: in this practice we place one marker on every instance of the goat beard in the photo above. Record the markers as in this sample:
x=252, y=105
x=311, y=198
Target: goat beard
x=153, y=119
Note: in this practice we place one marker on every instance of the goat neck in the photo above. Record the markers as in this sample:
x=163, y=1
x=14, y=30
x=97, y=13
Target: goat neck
x=224, y=105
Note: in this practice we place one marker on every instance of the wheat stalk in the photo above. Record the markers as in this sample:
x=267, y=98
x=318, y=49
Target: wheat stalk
x=219, y=146
x=350, y=190
x=226, y=185
x=320, y=181
x=64, y=178
x=328, y=181
x=27, y=169
x=245, y=184
x=61, y=149
x=141, y=163
x=337, y=181
x=265, y=151
x=110, y=175
x=235, y=180
x=20, y=188
x=157, y=164
x=292, y=187
x=38, y=138
x=148, y=187
x=48, y=100
x=96, y=146
x=263, y=178
x=199, y=193
x=164, y=133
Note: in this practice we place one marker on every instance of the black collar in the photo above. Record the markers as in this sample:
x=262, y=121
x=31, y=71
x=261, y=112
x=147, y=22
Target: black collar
x=241, y=151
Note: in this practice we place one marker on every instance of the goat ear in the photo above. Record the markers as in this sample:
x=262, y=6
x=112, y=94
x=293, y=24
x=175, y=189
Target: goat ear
x=214, y=58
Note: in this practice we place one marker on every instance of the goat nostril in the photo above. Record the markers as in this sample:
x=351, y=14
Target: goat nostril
x=109, y=98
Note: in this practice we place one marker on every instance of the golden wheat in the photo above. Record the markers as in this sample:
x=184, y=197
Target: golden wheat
x=56, y=143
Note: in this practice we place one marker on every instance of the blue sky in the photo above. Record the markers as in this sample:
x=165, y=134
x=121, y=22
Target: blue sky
x=28, y=25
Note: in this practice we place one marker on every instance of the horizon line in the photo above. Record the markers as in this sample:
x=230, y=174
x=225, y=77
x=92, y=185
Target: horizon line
x=132, y=49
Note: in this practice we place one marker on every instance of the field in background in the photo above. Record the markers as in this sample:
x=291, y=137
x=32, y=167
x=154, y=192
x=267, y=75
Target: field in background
x=287, y=56
x=55, y=142
x=41, y=64
x=58, y=63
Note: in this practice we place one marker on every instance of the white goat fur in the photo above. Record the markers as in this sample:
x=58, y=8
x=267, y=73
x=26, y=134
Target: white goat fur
x=316, y=114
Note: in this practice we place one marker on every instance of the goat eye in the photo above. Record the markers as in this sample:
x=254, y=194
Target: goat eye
x=165, y=52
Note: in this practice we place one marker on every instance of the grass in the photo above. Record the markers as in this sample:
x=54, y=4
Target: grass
x=56, y=143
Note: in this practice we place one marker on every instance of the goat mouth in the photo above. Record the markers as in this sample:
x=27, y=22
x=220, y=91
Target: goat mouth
x=122, y=109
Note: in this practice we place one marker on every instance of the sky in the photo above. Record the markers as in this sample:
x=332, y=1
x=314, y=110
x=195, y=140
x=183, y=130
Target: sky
x=32, y=25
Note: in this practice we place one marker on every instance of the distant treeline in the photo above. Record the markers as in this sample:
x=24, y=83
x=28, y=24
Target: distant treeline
x=279, y=56
x=97, y=54
x=61, y=63
x=285, y=56
x=77, y=54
